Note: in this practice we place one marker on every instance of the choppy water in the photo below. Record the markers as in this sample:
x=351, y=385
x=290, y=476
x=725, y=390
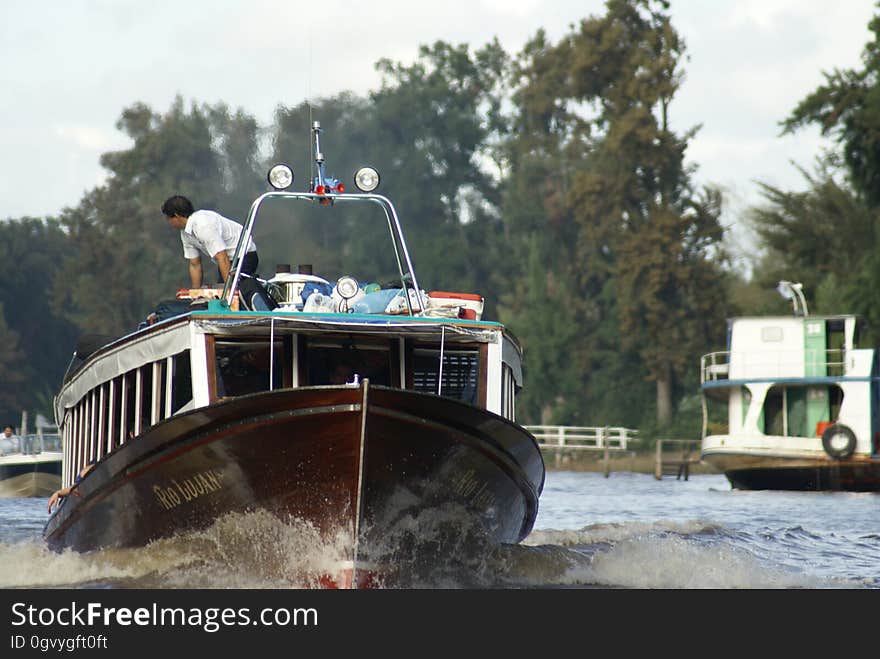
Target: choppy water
x=628, y=530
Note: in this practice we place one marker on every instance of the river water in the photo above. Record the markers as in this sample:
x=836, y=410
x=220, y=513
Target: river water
x=628, y=530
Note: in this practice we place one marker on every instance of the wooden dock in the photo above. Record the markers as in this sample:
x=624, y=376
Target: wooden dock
x=674, y=457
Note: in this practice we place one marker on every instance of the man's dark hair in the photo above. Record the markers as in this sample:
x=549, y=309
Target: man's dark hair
x=177, y=205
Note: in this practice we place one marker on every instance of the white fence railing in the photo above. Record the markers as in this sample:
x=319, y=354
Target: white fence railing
x=30, y=444
x=593, y=438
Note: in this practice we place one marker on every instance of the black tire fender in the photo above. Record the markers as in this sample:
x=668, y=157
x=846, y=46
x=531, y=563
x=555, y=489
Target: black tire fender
x=833, y=438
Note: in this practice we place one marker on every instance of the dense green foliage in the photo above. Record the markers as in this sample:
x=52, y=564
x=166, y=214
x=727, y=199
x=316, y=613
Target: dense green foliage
x=828, y=236
x=549, y=181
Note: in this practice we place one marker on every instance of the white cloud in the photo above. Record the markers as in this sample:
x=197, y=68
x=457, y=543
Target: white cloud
x=515, y=7
x=90, y=137
x=70, y=71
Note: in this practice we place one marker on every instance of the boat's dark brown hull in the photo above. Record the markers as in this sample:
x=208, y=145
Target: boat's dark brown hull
x=857, y=473
x=843, y=477
x=339, y=457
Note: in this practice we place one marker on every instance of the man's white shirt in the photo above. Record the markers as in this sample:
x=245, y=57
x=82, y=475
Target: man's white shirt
x=209, y=232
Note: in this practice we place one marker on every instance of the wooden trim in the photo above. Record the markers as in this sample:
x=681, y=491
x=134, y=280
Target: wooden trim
x=123, y=402
x=93, y=426
x=169, y=388
x=83, y=434
x=112, y=418
x=102, y=422
x=138, y=400
x=156, y=385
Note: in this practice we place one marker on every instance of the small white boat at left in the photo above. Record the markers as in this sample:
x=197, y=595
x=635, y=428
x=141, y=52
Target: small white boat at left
x=33, y=474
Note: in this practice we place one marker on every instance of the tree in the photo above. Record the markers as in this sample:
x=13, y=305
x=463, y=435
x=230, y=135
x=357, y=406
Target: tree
x=12, y=377
x=825, y=237
x=43, y=338
x=433, y=119
x=847, y=107
x=621, y=199
x=124, y=257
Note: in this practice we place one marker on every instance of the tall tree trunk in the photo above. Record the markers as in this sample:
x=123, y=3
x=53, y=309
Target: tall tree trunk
x=664, y=395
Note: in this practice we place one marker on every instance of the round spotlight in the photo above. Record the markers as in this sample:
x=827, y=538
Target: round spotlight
x=347, y=287
x=280, y=176
x=366, y=179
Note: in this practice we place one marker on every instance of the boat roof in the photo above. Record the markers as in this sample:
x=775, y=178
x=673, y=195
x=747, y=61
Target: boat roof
x=811, y=316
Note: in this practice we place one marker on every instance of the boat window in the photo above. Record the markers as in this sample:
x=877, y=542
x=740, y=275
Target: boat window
x=715, y=412
x=773, y=417
x=103, y=420
x=115, y=414
x=159, y=392
x=338, y=362
x=800, y=411
x=509, y=390
x=836, y=345
x=242, y=366
x=796, y=411
x=146, y=399
x=130, y=390
x=181, y=381
x=460, y=375
x=89, y=444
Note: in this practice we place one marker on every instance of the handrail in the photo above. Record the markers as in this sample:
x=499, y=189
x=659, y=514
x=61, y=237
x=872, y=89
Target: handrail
x=582, y=437
x=394, y=227
x=37, y=443
x=715, y=366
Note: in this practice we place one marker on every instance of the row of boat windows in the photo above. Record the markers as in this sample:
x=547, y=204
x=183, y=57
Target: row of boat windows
x=245, y=367
x=788, y=410
x=121, y=409
x=794, y=411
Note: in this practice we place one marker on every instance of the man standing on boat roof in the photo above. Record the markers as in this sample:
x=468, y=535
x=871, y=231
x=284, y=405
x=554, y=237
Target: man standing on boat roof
x=208, y=232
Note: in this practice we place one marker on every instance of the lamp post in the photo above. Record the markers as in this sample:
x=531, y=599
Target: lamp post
x=793, y=292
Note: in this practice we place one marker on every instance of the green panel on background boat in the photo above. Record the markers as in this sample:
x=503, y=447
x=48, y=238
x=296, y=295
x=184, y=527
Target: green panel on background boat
x=815, y=360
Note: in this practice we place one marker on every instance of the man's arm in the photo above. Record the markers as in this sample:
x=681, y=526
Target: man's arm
x=223, y=263
x=195, y=272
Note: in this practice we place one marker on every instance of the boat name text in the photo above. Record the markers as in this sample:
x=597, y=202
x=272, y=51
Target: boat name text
x=469, y=488
x=197, y=485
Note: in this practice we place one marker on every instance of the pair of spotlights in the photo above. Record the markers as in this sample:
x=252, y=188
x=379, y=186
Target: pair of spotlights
x=281, y=177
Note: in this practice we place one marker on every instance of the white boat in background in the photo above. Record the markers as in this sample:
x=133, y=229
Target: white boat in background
x=793, y=404
x=36, y=474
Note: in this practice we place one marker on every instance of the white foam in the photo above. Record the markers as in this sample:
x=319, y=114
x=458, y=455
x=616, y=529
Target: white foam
x=250, y=550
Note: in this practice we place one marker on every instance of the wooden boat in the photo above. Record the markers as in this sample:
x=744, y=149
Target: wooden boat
x=323, y=408
x=793, y=404
x=35, y=474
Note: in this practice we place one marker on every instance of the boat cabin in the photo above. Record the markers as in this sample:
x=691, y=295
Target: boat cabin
x=791, y=377
x=204, y=357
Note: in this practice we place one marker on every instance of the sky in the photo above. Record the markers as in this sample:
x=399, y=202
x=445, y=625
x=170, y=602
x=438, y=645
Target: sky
x=69, y=67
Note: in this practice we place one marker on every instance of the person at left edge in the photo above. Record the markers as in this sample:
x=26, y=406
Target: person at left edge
x=205, y=231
